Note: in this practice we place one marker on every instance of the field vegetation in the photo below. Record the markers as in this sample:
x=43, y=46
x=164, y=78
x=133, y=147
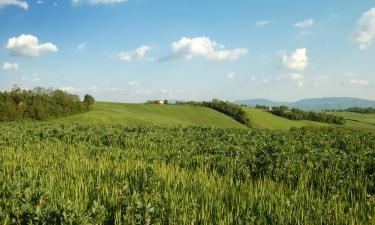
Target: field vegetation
x=63, y=173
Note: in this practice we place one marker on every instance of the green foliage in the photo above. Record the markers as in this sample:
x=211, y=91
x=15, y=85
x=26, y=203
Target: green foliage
x=88, y=99
x=113, y=174
x=230, y=109
x=38, y=104
x=356, y=110
x=297, y=114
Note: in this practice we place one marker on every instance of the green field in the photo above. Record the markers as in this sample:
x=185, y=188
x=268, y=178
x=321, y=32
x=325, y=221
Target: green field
x=358, y=120
x=262, y=119
x=150, y=114
x=186, y=115
x=115, y=174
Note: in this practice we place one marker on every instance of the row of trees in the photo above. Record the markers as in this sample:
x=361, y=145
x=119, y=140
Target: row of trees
x=40, y=104
x=230, y=109
x=368, y=110
x=297, y=114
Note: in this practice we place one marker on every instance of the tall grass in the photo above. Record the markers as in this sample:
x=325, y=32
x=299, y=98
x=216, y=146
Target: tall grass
x=109, y=174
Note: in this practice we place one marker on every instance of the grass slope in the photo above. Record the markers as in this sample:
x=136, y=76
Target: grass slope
x=358, y=120
x=147, y=114
x=262, y=119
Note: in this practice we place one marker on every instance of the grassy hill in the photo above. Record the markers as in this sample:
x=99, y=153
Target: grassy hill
x=262, y=119
x=148, y=114
x=185, y=115
x=358, y=120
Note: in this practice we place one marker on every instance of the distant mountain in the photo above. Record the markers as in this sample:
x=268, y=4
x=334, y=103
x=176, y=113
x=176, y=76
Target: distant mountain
x=316, y=104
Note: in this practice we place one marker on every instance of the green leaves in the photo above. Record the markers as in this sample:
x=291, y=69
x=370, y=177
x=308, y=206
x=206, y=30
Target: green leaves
x=112, y=174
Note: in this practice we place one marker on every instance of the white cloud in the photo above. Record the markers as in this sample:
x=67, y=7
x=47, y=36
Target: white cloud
x=359, y=82
x=305, y=23
x=231, y=75
x=365, y=30
x=96, y=2
x=39, y=2
x=295, y=77
x=138, y=53
x=134, y=83
x=253, y=78
x=10, y=66
x=297, y=61
x=262, y=23
x=18, y=3
x=81, y=46
x=204, y=47
x=28, y=45
x=299, y=78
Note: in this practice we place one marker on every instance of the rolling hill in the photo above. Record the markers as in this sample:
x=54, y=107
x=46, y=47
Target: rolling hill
x=262, y=119
x=316, y=104
x=185, y=115
x=149, y=114
x=358, y=120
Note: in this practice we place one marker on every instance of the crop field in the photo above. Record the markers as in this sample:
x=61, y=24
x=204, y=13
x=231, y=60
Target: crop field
x=79, y=173
x=262, y=119
x=150, y=114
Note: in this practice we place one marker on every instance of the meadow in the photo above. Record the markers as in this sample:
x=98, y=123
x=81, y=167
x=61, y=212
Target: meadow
x=81, y=173
x=151, y=114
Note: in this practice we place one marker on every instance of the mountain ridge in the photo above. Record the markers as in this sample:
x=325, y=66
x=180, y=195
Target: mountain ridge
x=316, y=104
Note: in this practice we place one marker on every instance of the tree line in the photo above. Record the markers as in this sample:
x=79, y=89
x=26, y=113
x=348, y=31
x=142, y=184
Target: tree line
x=230, y=109
x=368, y=110
x=297, y=114
x=40, y=104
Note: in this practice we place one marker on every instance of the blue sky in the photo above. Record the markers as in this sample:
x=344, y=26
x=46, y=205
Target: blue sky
x=135, y=50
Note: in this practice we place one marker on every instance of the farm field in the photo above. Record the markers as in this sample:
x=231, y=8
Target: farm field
x=358, y=120
x=262, y=119
x=150, y=114
x=79, y=173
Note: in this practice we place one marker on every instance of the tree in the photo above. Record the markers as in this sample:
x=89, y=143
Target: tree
x=89, y=100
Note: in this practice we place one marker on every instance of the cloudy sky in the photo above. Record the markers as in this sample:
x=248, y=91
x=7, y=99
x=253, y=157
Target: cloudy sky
x=134, y=50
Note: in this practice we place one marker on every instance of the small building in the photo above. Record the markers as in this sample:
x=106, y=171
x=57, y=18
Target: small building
x=159, y=102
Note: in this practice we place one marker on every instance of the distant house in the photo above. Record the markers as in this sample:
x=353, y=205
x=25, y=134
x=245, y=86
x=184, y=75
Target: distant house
x=159, y=102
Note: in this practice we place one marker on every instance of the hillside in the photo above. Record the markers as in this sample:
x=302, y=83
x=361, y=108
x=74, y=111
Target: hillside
x=358, y=120
x=262, y=119
x=316, y=104
x=148, y=114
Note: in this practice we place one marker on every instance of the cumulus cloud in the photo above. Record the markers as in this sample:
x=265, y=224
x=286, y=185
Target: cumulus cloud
x=204, y=47
x=96, y=2
x=365, y=30
x=231, y=75
x=305, y=23
x=10, y=66
x=18, y=3
x=297, y=61
x=359, y=82
x=137, y=54
x=28, y=45
x=262, y=23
